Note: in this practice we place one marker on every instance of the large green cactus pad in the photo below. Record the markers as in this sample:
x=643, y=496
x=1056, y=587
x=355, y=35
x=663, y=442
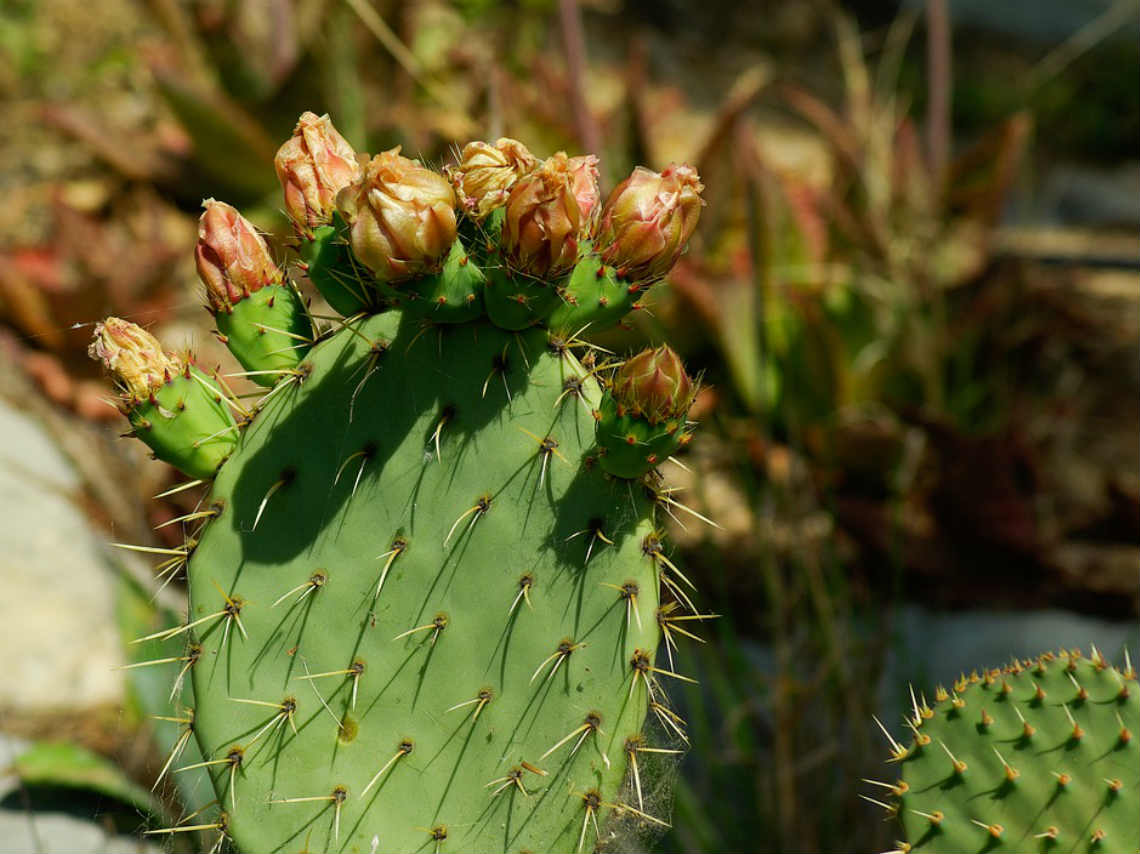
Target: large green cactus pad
x=452, y=456
x=1038, y=756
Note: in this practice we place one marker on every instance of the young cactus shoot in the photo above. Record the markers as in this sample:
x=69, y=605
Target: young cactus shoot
x=426, y=605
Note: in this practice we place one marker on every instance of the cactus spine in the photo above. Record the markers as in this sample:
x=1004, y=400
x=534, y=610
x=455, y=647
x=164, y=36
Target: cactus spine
x=427, y=601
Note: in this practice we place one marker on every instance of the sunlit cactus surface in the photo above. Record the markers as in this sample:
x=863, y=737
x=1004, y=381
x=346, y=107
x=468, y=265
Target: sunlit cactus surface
x=1037, y=756
x=430, y=608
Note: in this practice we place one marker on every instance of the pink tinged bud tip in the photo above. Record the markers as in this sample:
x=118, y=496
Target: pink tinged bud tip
x=313, y=166
x=654, y=384
x=587, y=193
x=402, y=216
x=543, y=221
x=133, y=357
x=232, y=257
x=485, y=174
x=648, y=219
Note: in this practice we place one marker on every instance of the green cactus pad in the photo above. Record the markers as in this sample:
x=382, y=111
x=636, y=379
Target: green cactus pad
x=418, y=516
x=517, y=302
x=187, y=424
x=424, y=607
x=267, y=331
x=330, y=268
x=482, y=238
x=1038, y=756
x=630, y=445
x=455, y=294
x=593, y=297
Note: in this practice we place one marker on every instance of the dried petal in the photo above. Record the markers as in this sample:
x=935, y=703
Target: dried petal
x=486, y=173
x=542, y=225
x=586, y=193
x=133, y=356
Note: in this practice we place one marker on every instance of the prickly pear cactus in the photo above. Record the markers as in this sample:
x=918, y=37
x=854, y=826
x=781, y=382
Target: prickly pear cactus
x=1039, y=755
x=428, y=588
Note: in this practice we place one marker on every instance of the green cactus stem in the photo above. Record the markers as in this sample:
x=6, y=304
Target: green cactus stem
x=516, y=301
x=593, y=298
x=329, y=266
x=453, y=295
x=269, y=332
x=186, y=423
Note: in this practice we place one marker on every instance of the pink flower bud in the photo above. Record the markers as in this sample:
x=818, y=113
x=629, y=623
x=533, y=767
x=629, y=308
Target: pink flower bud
x=402, y=216
x=485, y=174
x=133, y=357
x=648, y=219
x=313, y=166
x=654, y=385
x=542, y=225
x=587, y=194
x=233, y=260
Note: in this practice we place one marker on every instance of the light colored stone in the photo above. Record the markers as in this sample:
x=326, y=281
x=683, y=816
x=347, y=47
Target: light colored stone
x=58, y=637
x=48, y=832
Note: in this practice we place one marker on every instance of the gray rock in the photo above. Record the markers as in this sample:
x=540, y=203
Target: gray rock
x=58, y=636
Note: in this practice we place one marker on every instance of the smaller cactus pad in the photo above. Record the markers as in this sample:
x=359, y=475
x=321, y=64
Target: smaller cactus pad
x=1040, y=755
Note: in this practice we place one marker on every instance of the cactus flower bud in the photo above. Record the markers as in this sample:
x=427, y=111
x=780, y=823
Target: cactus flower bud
x=587, y=193
x=541, y=228
x=653, y=384
x=172, y=407
x=313, y=166
x=485, y=174
x=402, y=217
x=233, y=260
x=648, y=219
x=133, y=356
x=641, y=420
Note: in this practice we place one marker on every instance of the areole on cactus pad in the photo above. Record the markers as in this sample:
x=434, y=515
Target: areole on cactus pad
x=428, y=595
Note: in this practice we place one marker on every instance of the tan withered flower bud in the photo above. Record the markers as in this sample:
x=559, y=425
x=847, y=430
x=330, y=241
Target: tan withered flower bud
x=542, y=225
x=654, y=384
x=587, y=194
x=313, y=166
x=402, y=216
x=133, y=356
x=232, y=257
x=485, y=174
x=648, y=219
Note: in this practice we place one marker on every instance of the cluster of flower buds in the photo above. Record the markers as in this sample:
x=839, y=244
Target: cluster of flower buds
x=648, y=219
x=653, y=385
x=232, y=257
x=485, y=174
x=548, y=212
x=313, y=166
x=401, y=216
x=133, y=357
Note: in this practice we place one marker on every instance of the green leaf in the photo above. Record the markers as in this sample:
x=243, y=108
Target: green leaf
x=61, y=763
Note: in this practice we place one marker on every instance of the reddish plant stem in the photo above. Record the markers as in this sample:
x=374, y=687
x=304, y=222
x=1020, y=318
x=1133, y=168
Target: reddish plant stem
x=574, y=43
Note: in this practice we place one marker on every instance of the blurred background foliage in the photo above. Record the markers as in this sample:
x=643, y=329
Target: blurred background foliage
x=913, y=295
